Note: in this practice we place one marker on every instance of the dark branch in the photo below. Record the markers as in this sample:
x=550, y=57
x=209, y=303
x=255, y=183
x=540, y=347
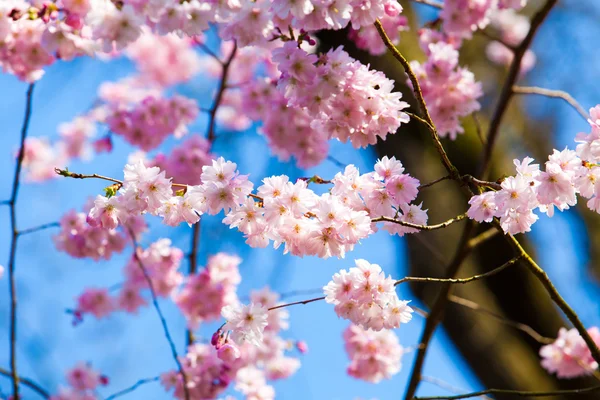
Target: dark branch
x=507, y=90
x=163, y=321
x=520, y=393
x=27, y=382
x=130, y=389
x=13, y=242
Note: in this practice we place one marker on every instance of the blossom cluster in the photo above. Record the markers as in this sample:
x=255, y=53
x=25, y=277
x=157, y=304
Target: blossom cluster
x=160, y=262
x=204, y=294
x=513, y=28
x=284, y=212
x=246, y=352
x=569, y=356
x=463, y=17
x=35, y=34
x=367, y=37
x=152, y=120
x=184, y=163
x=567, y=173
x=83, y=381
x=41, y=157
x=449, y=90
x=344, y=97
x=373, y=355
x=79, y=239
x=368, y=298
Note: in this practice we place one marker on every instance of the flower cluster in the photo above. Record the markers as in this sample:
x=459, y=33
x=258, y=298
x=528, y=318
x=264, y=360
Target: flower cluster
x=83, y=381
x=164, y=60
x=207, y=292
x=463, y=17
x=81, y=240
x=567, y=174
x=367, y=37
x=284, y=212
x=367, y=298
x=450, y=91
x=569, y=356
x=21, y=50
x=373, y=355
x=288, y=129
x=185, y=161
x=246, y=351
x=513, y=28
x=344, y=98
x=41, y=156
x=246, y=323
x=160, y=261
x=152, y=120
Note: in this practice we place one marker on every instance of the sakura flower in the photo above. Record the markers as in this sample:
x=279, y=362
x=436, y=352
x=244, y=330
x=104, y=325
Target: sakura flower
x=246, y=322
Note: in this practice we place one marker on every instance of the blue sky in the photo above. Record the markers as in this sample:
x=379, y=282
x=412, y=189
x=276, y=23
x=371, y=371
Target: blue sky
x=129, y=348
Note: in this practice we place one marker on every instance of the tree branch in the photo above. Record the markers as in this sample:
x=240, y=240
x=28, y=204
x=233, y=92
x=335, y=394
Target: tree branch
x=421, y=227
x=163, y=321
x=520, y=393
x=460, y=280
x=39, y=228
x=13, y=243
x=130, y=389
x=507, y=91
x=541, y=275
x=27, y=382
x=558, y=94
x=420, y=100
x=436, y=312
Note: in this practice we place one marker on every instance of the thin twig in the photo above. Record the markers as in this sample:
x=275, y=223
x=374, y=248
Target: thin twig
x=133, y=387
x=420, y=100
x=27, y=382
x=68, y=174
x=208, y=51
x=219, y=96
x=506, y=94
x=39, y=228
x=163, y=321
x=446, y=386
x=336, y=162
x=196, y=230
x=460, y=280
x=296, y=303
x=426, y=185
x=478, y=182
x=13, y=243
x=541, y=275
x=482, y=237
x=559, y=94
x=210, y=136
x=520, y=393
x=421, y=227
x=478, y=129
x=437, y=310
x=517, y=325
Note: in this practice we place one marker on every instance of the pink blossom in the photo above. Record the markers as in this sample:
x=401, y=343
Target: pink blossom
x=569, y=356
x=367, y=298
x=373, y=355
x=96, y=302
x=246, y=322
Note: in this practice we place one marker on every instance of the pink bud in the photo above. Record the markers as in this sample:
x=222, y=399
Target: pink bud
x=104, y=380
x=302, y=346
x=103, y=145
x=392, y=8
x=214, y=340
x=228, y=353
